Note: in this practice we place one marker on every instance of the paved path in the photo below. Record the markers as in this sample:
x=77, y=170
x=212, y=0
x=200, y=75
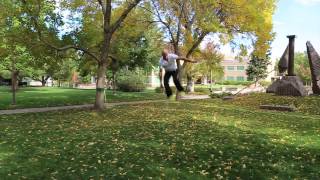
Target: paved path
x=87, y=106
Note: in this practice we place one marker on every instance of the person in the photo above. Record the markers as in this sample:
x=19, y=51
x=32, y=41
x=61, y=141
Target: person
x=168, y=61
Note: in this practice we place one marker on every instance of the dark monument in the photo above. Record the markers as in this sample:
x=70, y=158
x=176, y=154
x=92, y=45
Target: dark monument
x=289, y=85
x=283, y=63
x=282, y=67
x=314, y=60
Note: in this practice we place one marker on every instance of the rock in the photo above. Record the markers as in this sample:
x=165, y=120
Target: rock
x=278, y=108
x=226, y=98
x=291, y=86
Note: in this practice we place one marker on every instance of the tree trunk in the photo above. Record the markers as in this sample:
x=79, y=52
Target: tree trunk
x=190, y=84
x=44, y=80
x=113, y=82
x=14, y=78
x=59, y=83
x=101, y=79
x=176, y=50
x=161, y=79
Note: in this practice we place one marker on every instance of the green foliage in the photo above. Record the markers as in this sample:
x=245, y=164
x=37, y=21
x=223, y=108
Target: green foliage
x=136, y=44
x=258, y=68
x=5, y=74
x=19, y=50
x=206, y=139
x=244, y=83
x=132, y=81
x=200, y=90
x=210, y=63
x=302, y=67
x=197, y=90
x=186, y=23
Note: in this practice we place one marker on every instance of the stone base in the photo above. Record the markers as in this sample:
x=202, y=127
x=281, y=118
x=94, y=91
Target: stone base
x=273, y=87
x=316, y=87
x=290, y=86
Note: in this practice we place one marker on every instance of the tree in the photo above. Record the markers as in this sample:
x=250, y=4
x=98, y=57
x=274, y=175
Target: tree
x=187, y=23
x=134, y=45
x=258, y=68
x=66, y=68
x=210, y=64
x=96, y=27
x=14, y=55
x=16, y=62
x=302, y=67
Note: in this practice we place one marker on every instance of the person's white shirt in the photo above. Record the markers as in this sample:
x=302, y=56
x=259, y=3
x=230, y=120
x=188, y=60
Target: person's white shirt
x=171, y=64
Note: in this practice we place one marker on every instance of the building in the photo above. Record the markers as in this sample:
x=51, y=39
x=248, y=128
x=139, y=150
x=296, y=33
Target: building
x=235, y=70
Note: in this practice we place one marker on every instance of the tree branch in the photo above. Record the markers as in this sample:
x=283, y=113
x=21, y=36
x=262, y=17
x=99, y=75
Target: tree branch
x=197, y=43
x=123, y=16
x=179, y=24
x=103, y=7
x=163, y=22
x=39, y=32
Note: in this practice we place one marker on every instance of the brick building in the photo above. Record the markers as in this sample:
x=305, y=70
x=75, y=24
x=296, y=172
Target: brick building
x=235, y=70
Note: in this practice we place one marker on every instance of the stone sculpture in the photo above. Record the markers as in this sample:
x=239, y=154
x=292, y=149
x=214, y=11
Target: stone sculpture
x=314, y=60
x=289, y=85
x=283, y=63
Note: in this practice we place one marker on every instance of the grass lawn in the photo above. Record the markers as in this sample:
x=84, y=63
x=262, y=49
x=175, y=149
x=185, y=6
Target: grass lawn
x=307, y=105
x=205, y=139
x=47, y=96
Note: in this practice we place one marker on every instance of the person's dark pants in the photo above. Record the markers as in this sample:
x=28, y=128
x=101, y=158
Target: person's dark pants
x=167, y=77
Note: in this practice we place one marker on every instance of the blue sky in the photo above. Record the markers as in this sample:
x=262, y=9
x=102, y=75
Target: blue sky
x=299, y=17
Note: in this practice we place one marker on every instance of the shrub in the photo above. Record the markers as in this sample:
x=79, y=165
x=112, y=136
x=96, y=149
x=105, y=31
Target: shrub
x=196, y=90
x=220, y=95
x=131, y=81
x=243, y=83
x=202, y=90
x=265, y=83
x=158, y=89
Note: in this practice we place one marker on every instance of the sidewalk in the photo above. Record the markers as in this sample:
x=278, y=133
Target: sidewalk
x=87, y=106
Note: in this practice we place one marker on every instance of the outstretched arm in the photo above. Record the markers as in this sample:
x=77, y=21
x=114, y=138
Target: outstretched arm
x=186, y=59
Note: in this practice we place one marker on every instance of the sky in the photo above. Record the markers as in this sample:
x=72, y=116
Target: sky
x=296, y=17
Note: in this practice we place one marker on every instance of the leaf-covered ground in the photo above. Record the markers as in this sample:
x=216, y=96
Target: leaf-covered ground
x=48, y=97
x=186, y=140
x=307, y=105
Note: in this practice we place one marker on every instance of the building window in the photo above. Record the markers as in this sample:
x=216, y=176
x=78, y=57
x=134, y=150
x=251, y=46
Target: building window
x=240, y=78
x=230, y=68
x=230, y=78
x=240, y=68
